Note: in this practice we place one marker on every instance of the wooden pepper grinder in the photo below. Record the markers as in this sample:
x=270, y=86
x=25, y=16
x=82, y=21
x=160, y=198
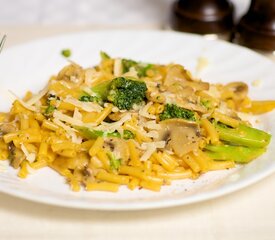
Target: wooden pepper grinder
x=256, y=28
x=203, y=17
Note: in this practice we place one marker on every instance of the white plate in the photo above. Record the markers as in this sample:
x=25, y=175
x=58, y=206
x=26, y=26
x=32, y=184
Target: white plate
x=28, y=67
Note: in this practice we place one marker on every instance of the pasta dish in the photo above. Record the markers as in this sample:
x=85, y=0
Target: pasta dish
x=131, y=123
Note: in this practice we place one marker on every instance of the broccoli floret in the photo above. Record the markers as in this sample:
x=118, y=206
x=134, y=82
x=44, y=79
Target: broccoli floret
x=122, y=92
x=174, y=111
x=140, y=67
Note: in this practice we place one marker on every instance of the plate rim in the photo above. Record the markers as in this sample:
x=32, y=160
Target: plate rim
x=207, y=195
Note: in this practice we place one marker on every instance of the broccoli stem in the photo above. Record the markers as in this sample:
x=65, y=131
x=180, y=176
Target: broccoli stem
x=102, y=89
x=104, y=55
x=238, y=154
x=244, y=136
x=114, y=162
x=94, y=134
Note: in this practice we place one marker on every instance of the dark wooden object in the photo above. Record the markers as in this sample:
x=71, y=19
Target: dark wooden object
x=202, y=16
x=256, y=28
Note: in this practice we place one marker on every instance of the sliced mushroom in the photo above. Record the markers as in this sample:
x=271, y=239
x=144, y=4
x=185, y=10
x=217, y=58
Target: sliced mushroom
x=16, y=156
x=180, y=135
x=239, y=90
x=7, y=128
x=79, y=162
x=72, y=72
x=176, y=74
x=118, y=147
x=191, y=105
x=116, y=116
x=179, y=89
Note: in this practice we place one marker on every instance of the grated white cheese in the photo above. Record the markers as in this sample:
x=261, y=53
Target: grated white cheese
x=29, y=156
x=144, y=111
x=169, y=97
x=24, y=104
x=138, y=146
x=38, y=96
x=114, y=126
x=74, y=79
x=86, y=106
x=150, y=148
x=65, y=84
x=214, y=92
x=159, y=144
x=65, y=118
x=152, y=134
x=132, y=73
x=91, y=75
x=120, y=130
x=118, y=67
x=152, y=84
x=38, y=104
x=245, y=116
x=88, y=90
x=115, y=109
x=77, y=115
x=224, y=109
x=151, y=125
x=71, y=132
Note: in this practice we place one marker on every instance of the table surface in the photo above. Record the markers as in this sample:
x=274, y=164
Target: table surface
x=246, y=214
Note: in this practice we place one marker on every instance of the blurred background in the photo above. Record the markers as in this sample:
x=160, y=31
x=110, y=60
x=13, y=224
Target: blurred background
x=256, y=30
x=106, y=13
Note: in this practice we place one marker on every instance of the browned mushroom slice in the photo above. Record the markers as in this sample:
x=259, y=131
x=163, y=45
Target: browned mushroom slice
x=16, y=156
x=199, y=85
x=78, y=162
x=185, y=103
x=118, y=147
x=116, y=116
x=239, y=89
x=180, y=90
x=7, y=128
x=180, y=135
x=177, y=75
x=72, y=72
